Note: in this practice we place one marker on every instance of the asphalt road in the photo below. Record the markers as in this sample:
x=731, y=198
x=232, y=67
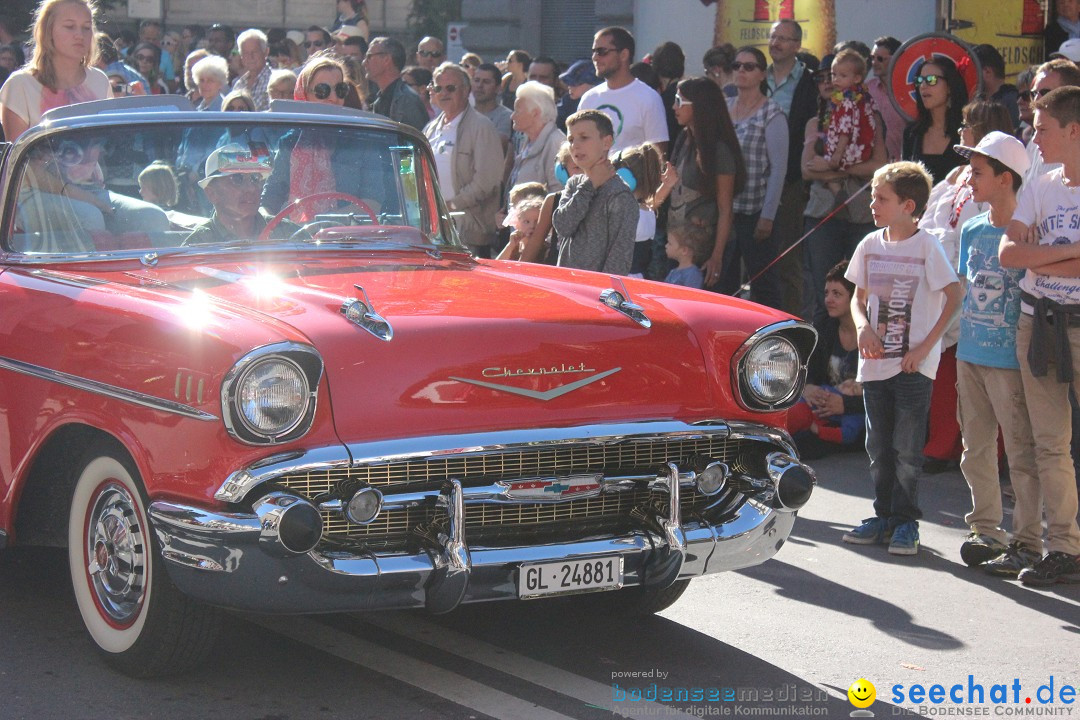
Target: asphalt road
x=786, y=638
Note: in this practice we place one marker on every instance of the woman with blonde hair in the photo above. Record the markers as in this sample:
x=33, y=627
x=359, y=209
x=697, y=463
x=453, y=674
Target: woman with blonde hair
x=61, y=70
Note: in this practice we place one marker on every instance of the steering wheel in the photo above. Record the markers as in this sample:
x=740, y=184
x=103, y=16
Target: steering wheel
x=315, y=197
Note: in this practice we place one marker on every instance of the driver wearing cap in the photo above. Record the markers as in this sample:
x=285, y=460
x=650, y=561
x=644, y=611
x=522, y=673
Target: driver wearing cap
x=233, y=185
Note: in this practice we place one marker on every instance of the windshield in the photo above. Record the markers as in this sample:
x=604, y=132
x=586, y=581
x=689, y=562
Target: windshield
x=128, y=189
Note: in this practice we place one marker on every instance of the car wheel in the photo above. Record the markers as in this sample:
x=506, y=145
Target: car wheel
x=137, y=618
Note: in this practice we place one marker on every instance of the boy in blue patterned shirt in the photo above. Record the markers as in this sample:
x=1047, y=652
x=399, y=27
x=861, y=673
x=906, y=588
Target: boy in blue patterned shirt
x=989, y=385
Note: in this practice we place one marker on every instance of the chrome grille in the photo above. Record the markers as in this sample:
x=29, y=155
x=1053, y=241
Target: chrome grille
x=430, y=473
x=397, y=524
x=393, y=528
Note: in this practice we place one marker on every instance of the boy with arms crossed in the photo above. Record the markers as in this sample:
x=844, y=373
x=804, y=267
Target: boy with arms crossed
x=1042, y=237
x=906, y=293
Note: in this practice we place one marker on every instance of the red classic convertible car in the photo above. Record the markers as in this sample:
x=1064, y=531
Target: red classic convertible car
x=271, y=378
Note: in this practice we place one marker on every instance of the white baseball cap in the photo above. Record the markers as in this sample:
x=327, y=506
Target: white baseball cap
x=233, y=159
x=296, y=36
x=1070, y=50
x=1004, y=148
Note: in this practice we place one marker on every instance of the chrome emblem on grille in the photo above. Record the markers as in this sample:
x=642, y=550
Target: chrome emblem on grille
x=545, y=395
x=552, y=489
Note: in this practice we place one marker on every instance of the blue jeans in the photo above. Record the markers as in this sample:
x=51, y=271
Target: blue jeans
x=742, y=247
x=834, y=241
x=896, y=416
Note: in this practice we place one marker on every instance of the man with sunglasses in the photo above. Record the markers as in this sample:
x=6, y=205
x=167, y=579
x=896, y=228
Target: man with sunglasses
x=878, y=87
x=383, y=63
x=254, y=50
x=636, y=110
x=430, y=53
x=317, y=39
x=233, y=185
x=1051, y=75
x=469, y=158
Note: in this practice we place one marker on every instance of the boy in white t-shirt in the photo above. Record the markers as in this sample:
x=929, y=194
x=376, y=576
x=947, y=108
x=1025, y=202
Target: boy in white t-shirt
x=906, y=293
x=1044, y=238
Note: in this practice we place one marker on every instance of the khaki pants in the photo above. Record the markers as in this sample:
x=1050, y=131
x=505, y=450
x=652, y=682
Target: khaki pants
x=990, y=396
x=1051, y=425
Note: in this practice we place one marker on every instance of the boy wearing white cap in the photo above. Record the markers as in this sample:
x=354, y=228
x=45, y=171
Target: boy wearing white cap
x=1044, y=238
x=989, y=386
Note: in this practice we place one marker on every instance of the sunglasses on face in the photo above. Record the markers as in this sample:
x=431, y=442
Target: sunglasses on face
x=429, y=53
x=680, y=101
x=314, y=43
x=1036, y=94
x=715, y=73
x=322, y=90
x=145, y=58
x=747, y=66
x=602, y=52
x=881, y=59
x=240, y=180
x=442, y=88
x=930, y=80
x=119, y=89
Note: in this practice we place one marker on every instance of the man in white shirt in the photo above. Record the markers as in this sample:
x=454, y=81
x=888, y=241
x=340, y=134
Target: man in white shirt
x=635, y=109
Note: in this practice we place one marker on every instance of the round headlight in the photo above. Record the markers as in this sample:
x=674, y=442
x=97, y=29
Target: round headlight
x=272, y=396
x=771, y=370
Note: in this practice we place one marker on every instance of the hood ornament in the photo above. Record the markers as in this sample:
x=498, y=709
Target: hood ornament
x=618, y=298
x=360, y=312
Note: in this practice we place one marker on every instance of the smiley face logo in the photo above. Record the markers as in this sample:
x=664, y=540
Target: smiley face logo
x=862, y=693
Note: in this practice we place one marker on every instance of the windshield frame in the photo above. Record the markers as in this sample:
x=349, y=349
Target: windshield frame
x=18, y=154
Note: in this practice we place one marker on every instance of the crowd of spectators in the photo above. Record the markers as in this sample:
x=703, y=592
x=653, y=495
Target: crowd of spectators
x=749, y=175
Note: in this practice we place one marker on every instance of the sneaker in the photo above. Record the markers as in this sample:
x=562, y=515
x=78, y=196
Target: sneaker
x=977, y=549
x=905, y=539
x=1009, y=564
x=1056, y=567
x=873, y=531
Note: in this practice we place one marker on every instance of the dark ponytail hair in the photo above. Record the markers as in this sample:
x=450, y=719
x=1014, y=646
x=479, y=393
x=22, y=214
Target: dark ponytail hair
x=709, y=125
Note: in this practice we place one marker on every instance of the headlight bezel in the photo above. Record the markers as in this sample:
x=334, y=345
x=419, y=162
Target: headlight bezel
x=802, y=338
x=304, y=358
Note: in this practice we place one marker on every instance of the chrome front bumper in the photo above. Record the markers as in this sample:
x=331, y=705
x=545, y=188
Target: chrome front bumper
x=217, y=558
x=237, y=560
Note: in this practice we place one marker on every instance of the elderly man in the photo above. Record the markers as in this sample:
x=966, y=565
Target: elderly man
x=635, y=109
x=383, y=63
x=233, y=185
x=468, y=158
x=254, y=49
x=430, y=52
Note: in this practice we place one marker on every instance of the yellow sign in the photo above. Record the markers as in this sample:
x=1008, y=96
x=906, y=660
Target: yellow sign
x=748, y=22
x=1014, y=27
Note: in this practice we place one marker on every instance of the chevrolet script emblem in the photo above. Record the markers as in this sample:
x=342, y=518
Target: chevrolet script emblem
x=552, y=489
x=557, y=391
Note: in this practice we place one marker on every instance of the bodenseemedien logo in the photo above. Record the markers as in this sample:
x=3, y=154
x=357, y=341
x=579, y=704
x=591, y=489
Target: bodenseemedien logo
x=861, y=694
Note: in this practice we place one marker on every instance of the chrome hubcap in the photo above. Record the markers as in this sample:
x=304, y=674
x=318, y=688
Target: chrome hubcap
x=117, y=554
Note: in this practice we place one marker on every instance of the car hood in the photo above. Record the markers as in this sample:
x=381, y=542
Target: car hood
x=481, y=346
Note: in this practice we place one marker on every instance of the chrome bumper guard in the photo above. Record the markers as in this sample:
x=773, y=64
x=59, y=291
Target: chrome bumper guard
x=226, y=559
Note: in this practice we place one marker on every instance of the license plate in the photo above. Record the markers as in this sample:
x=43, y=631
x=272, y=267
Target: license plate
x=570, y=576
